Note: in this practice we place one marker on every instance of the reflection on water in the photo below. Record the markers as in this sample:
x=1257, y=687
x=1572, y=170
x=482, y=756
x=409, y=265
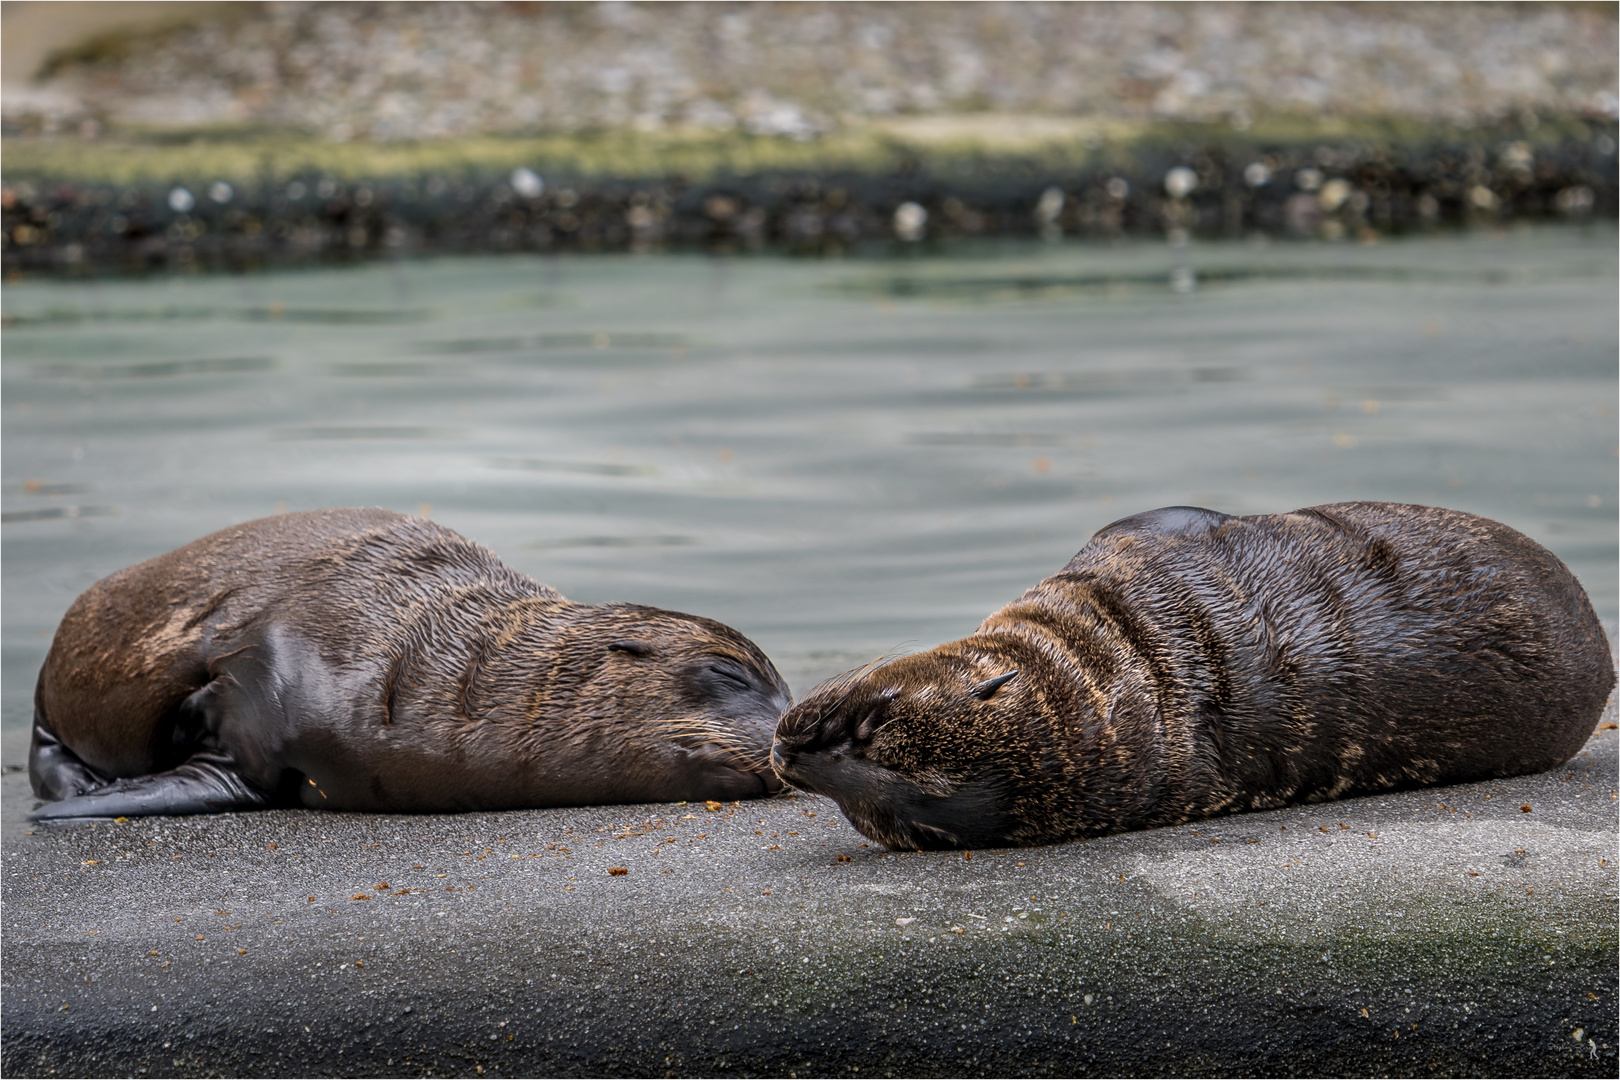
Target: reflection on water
x=159, y=369
x=519, y=345
x=96, y=311
x=369, y=432
x=1055, y=282
x=838, y=458
x=589, y=468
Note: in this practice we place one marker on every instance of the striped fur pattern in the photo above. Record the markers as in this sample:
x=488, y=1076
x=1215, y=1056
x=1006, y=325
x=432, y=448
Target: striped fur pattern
x=1186, y=663
x=365, y=660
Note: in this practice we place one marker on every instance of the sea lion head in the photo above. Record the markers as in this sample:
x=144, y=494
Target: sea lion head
x=710, y=696
x=919, y=753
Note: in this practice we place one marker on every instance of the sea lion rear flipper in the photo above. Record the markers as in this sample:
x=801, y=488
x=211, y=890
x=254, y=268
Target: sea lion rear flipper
x=208, y=783
x=55, y=771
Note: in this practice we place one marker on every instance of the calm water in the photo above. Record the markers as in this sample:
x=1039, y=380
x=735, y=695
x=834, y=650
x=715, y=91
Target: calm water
x=838, y=458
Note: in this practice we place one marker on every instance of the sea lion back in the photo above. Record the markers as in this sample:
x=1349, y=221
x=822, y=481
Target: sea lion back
x=1423, y=645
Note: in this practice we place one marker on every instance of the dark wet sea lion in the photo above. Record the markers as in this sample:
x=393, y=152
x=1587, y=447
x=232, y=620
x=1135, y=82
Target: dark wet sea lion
x=364, y=660
x=1186, y=663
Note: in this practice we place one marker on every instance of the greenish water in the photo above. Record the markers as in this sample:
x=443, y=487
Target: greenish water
x=838, y=458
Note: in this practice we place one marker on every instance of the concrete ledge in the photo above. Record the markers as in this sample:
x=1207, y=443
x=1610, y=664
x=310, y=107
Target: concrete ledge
x=1436, y=932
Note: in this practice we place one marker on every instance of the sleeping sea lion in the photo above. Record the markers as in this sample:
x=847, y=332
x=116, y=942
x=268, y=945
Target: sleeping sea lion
x=1187, y=663
x=364, y=660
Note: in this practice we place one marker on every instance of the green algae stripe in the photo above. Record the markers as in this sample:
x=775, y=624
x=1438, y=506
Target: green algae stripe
x=969, y=141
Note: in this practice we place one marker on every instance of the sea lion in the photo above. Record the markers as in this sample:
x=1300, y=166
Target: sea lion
x=365, y=660
x=1188, y=663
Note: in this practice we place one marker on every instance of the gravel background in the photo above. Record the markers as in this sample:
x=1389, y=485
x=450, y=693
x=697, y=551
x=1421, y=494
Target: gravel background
x=1437, y=932
x=413, y=70
x=810, y=127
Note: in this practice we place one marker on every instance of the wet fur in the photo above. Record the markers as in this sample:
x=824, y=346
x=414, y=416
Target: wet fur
x=364, y=660
x=1186, y=663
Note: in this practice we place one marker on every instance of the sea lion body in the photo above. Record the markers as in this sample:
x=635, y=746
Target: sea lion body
x=1187, y=663
x=364, y=660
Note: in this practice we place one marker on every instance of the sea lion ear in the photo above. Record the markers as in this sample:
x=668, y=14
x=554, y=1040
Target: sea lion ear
x=875, y=716
x=631, y=646
x=865, y=726
x=985, y=690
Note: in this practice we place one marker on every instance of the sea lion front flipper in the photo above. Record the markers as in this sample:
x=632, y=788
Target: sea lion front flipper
x=207, y=783
x=1166, y=521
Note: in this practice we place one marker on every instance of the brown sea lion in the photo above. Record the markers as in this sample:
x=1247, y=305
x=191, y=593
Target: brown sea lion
x=1186, y=663
x=364, y=660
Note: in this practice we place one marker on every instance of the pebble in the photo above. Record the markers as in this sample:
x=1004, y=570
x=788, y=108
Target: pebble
x=527, y=183
x=909, y=221
x=1180, y=182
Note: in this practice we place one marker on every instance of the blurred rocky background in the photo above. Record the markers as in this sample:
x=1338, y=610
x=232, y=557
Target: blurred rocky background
x=437, y=70
x=149, y=133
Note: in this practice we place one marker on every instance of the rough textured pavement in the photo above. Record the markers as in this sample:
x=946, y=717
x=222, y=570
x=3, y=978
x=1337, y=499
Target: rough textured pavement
x=1448, y=931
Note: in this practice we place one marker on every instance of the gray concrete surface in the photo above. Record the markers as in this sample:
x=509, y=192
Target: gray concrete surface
x=1437, y=932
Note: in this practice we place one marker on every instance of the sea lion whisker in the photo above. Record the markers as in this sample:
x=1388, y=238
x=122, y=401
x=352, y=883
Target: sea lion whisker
x=756, y=757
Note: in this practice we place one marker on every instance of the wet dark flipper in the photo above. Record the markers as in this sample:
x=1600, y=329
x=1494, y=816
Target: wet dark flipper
x=55, y=771
x=208, y=783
